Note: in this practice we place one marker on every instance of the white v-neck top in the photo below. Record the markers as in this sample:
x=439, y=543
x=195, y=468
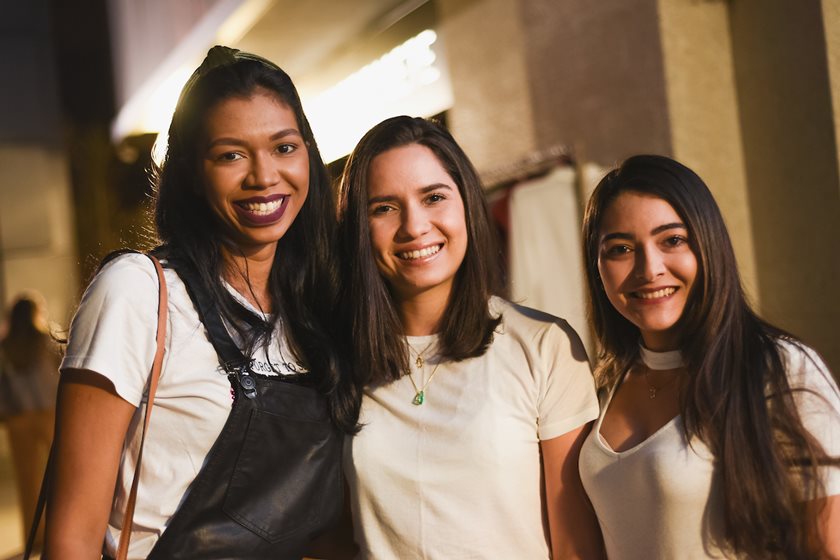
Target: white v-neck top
x=662, y=497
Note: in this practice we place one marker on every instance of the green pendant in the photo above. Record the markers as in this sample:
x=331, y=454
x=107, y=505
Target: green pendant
x=419, y=398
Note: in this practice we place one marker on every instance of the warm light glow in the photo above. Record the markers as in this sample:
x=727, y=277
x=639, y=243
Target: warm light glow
x=158, y=110
x=241, y=21
x=406, y=80
x=161, y=103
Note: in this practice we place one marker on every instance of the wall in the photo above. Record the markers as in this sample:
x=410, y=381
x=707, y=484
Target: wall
x=492, y=117
x=791, y=156
x=37, y=249
x=704, y=115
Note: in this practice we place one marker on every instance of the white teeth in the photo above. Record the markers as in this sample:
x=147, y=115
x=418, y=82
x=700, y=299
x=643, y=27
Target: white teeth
x=657, y=294
x=263, y=208
x=424, y=252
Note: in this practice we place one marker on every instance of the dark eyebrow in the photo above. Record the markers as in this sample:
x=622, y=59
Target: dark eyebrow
x=225, y=140
x=666, y=227
x=655, y=231
x=435, y=187
x=422, y=190
x=616, y=235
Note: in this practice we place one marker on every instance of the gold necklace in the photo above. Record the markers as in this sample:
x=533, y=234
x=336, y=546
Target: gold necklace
x=420, y=362
x=652, y=389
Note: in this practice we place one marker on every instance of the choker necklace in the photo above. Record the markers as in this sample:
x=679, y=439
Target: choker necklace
x=659, y=361
x=420, y=362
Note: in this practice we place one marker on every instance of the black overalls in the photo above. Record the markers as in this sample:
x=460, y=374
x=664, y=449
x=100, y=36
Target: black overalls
x=272, y=480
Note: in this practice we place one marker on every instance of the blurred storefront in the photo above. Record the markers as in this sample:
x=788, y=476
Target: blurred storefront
x=542, y=94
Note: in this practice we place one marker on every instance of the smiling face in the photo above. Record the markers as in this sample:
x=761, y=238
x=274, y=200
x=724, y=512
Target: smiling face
x=254, y=168
x=418, y=229
x=647, y=266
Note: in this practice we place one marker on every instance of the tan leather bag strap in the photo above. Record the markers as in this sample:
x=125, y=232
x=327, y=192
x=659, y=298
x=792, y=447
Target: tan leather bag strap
x=157, y=364
x=163, y=313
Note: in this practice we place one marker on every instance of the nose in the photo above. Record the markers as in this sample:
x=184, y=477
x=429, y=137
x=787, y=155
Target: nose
x=263, y=172
x=414, y=223
x=649, y=264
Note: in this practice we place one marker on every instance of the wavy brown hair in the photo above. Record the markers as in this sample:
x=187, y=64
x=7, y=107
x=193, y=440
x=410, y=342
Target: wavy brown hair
x=466, y=328
x=738, y=400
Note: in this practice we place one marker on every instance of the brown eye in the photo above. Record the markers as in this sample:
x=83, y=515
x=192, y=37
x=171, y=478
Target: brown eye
x=229, y=156
x=617, y=250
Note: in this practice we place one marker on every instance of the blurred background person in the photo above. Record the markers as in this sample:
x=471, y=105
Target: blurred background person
x=30, y=361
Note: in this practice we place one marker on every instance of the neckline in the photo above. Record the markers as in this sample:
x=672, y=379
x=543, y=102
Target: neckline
x=672, y=359
x=421, y=340
x=604, y=445
x=242, y=300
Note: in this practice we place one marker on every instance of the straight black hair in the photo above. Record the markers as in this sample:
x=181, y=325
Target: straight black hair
x=303, y=279
x=466, y=328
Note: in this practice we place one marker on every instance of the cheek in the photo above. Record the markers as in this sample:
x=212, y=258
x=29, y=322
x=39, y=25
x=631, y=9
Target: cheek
x=378, y=232
x=456, y=225
x=609, y=278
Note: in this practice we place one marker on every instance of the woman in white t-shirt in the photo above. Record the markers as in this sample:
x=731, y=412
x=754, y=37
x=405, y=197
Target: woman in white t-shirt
x=474, y=408
x=242, y=456
x=719, y=434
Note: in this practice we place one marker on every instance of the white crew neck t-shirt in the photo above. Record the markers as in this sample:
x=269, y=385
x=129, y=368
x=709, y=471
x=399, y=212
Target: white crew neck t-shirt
x=113, y=335
x=460, y=475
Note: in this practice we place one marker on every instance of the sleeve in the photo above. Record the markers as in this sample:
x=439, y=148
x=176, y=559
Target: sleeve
x=818, y=402
x=113, y=331
x=567, y=396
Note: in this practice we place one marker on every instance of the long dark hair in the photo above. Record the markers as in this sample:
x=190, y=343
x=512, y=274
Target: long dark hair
x=737, y=400
x=466, y=328
x=303, y=280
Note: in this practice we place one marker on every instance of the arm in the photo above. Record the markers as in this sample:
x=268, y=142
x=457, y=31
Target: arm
x=829, y=525
x=91, y=424
x=573, y=527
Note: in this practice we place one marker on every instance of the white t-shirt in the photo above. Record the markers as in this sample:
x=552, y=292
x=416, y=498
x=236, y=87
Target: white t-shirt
x=113, y=334
x=662, y=498
x=460, y=475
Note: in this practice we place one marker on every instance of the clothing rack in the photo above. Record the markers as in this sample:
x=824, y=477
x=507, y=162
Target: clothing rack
x=534, y=164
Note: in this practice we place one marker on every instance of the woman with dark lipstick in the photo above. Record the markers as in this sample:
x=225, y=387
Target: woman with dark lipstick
x=719, y=434
x=241, y=459
x=475, y=408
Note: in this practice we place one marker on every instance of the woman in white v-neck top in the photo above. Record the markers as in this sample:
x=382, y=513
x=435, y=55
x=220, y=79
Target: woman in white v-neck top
x=704, y=406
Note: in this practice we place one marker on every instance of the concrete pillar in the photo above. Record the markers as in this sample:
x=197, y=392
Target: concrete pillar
x=703, y=114
x=492, y=117
x=791, y=158
x=831, y=23
x=596, y=77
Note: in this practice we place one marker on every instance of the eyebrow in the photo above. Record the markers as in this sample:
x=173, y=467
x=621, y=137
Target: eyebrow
x=422, y=190
x=227, y=140
x=654, y=231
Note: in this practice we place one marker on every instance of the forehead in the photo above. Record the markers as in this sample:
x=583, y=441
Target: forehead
x=640, y=212
x=259, y=111
x=406, y=168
